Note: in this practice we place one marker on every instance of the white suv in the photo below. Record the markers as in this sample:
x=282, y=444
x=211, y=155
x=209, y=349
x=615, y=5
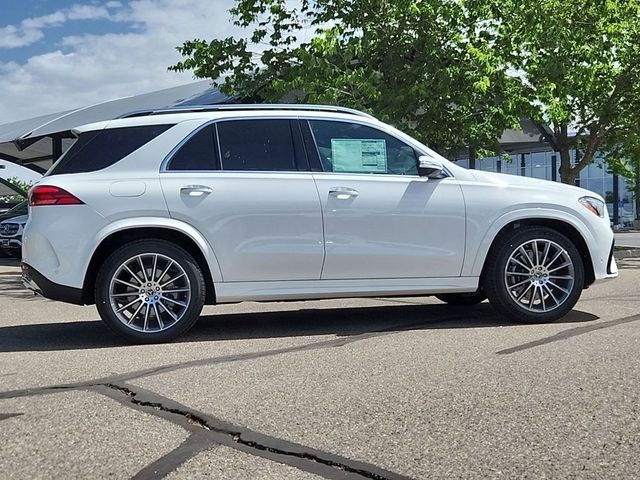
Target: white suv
x=152, y=215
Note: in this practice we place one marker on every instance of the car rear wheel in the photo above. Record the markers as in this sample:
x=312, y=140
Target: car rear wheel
x=150, y=291
x=535, y=275
x=462, y=299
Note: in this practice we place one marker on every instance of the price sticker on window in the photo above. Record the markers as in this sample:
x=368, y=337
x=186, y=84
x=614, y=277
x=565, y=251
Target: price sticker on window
x=359, y=155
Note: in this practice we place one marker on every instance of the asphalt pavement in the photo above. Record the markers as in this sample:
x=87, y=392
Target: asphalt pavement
x=356, y=388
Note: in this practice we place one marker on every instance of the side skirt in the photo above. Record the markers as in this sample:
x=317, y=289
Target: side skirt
x=231, y=292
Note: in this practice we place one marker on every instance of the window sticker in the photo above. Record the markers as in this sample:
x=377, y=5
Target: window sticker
x=355, y=155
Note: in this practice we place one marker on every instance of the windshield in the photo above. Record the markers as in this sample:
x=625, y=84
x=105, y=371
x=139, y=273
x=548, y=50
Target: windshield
x=19, y=209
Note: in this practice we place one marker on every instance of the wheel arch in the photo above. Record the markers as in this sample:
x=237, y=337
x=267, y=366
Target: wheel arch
x=114, y=239
x=567, y=229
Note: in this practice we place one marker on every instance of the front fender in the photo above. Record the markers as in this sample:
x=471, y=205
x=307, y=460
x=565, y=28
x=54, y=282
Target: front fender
x=477, y=254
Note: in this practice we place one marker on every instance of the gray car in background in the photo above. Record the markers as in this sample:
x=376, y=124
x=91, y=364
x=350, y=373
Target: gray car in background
x=12, y=224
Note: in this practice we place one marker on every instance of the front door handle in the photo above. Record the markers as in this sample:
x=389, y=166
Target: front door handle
x=196, y=190
x=343, y=193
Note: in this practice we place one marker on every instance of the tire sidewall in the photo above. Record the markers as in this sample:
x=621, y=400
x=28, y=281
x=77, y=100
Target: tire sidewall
x=178, y=255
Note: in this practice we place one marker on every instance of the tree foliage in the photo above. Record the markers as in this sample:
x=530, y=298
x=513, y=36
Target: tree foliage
x=425, y=66
x=578, y=61
x=451, y=72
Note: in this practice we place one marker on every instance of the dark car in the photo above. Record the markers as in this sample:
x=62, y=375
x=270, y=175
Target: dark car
x=11, y=231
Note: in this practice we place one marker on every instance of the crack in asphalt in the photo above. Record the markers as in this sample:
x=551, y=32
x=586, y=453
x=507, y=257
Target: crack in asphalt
x=206, y=431
x=253, y=443
x=323, y=344
x=239, y=438
x=566, y=334
x=169, y=463
x=6, y=416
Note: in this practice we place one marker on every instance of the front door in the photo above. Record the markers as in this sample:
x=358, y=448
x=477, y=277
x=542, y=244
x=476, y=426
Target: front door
x=246, y=195
x=382, y=220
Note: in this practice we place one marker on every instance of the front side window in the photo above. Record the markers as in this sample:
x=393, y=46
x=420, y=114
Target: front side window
x=199, y=152
x=257, y=145
x=353, y=148
x=102, y=148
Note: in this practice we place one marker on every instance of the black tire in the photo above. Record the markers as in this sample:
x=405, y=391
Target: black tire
x=462, y=299
x=502, y=296
x=194, y=287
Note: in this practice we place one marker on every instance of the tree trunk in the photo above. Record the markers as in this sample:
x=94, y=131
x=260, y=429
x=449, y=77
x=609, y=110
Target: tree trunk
x=567, y=174
x=472, y=156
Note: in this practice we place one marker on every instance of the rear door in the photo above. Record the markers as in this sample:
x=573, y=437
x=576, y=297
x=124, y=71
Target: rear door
x=382, y=220
x=244, y=185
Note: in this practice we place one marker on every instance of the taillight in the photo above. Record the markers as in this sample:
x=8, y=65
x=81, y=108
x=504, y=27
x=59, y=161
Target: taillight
x=48, y=195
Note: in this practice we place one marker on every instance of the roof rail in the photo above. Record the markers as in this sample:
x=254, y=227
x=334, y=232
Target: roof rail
x=247, y=106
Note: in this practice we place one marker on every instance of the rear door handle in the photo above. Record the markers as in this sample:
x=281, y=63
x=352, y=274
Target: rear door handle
x=195, y=190
x=343, y=193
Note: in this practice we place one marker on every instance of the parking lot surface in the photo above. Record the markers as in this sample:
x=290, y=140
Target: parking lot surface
x=357, y=388
x=628, y=239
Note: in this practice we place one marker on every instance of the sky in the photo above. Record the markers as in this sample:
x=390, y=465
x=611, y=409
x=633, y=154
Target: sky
x=56, y=55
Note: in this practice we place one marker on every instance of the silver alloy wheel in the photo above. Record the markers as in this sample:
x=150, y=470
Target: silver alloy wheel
x=539, y=275
x=150, y=292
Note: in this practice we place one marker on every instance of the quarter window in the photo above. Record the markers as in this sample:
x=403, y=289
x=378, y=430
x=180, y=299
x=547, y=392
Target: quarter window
x=102, y=148
x=353, y=148
x=200, y=152
x=257, y=145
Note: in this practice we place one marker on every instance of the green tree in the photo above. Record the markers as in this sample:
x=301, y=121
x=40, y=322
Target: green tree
x=428, y=67
x=578, y=61
x=451, y=72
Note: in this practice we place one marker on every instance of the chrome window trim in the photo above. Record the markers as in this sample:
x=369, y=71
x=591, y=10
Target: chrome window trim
x=375, y=124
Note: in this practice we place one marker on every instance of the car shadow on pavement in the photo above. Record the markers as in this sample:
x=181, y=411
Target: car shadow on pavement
x=278, y=324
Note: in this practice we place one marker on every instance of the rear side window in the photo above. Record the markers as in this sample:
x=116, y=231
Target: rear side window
x=258, y=145
x=103, y=148
x=199, y=152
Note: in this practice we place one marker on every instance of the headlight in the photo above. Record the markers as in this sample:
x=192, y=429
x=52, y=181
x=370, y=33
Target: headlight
x=594, y=205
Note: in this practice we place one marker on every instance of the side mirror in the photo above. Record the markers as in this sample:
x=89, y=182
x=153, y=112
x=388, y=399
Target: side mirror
x=429, y=167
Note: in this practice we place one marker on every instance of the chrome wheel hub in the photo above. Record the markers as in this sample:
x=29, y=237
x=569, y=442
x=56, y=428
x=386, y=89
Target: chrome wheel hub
x=539, y=275
x=149, y=292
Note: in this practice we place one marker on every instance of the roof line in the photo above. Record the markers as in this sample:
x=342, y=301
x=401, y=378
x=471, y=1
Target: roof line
x=248, y=106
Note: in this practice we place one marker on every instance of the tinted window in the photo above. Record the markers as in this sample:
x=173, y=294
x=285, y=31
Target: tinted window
x=264, y=145
x=103, y=148
x=352, y=148
x=200, y=152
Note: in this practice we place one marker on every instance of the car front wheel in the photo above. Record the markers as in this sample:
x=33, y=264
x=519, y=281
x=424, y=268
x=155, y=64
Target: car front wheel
x=150, y=291
x=535, y=275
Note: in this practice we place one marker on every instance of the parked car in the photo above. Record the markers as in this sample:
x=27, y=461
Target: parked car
x=153, y=215
x=11, y=226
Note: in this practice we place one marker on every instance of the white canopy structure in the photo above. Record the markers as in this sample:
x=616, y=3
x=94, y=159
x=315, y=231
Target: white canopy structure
x=36, y=142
